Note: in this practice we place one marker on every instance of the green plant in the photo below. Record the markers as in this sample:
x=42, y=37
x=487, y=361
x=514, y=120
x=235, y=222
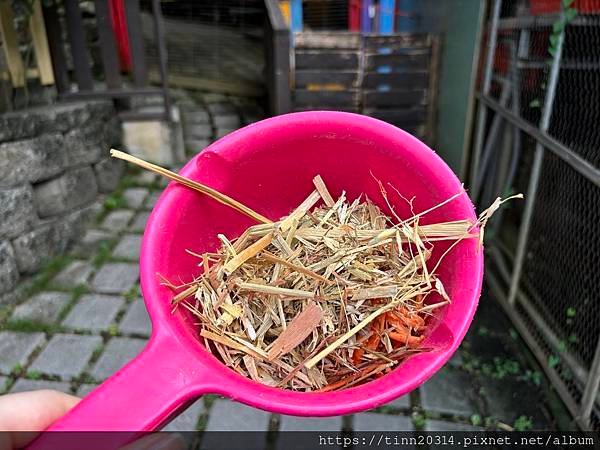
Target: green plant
x=419, y=420
x=558, y=27
x=33, y=375
x=553, y=361
x=523, y=423
x=476, y=420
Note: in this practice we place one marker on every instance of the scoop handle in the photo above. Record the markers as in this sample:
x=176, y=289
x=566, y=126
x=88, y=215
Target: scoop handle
x=138, y=398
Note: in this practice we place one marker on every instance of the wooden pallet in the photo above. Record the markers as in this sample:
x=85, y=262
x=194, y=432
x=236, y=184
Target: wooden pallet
x=392, y=78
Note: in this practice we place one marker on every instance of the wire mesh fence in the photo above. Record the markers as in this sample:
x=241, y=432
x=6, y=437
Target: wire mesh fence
x=215, y=45
x=538, y=134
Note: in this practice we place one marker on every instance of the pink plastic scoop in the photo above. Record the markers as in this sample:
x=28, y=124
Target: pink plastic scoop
x=269, y=166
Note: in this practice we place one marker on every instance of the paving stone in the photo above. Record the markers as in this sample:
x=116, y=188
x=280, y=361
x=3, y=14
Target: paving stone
x=221, y=108
x=77, y=273
x=117, y=220
x=153, y=198
x=3, y=384
x=85, y=389
x=226, y=415
x=139, y=223
x=382, y=422
x=16, y=348
x=293, y=423
x=198, y=131
x=227, y=121
x=94, y=312
x=450, y=392
x=24, y=385
x=195, y=116
x=135, y=196
x=145, y=177
x=457, y=360
x=115, y=278
x=220, y=132
x=44, y=307
x=129, y=247
x=440, y=425
x=196, y=145
x=136, y=320
x=118, y=352
x=507, y=399
x=401, y=402
x=66, y=355
x=88, y=245
x=187, y=420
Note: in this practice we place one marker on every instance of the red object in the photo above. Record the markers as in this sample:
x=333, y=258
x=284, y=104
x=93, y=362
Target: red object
x=354, y=15
x=119, y=23
x=552, y=6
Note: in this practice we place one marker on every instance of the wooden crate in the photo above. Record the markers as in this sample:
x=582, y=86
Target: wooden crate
x=392, y=78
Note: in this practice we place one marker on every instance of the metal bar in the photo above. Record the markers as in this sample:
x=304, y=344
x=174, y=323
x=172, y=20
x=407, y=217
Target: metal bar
x=592, y=388
x=547, y=20
x=81, y=62
x=108, y=47
x=567, y=155
x=539, y=353
x=136, y=42
x=535, y=172
x=489, y=144
x=111, y=93
x=482, y=113
x=55, y=42
x=162, y=57
x=278, y=51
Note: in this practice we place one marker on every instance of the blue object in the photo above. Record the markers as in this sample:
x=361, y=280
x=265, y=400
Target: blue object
x=386, y=16
x=296, y=15
x=365, y=16
x=406, y=20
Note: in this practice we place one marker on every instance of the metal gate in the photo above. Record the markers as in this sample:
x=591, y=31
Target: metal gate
x=538, y=133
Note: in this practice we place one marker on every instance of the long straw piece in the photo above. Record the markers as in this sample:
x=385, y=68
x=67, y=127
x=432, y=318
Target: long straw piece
x=221, y=198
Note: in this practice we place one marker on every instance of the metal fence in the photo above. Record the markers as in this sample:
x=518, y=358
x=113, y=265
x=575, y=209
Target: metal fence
x=538, y=133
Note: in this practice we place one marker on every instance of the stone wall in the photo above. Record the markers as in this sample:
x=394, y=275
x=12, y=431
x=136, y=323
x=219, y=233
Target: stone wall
x=54, y=164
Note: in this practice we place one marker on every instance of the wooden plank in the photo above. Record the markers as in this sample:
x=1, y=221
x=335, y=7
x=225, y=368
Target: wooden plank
x=392, y=81
x=108, y=46
x=354, y=109
x=321, y=40
x=40, y=45
x=415, y=60
x=345, y=79
x=433, y=83
x=136, y=42
x=306, y=60
x=396, y=42
x=409, y=97
x=81, y=62
x=399, y=116
x=10, y=45
x=304, y=97
x=56, y=44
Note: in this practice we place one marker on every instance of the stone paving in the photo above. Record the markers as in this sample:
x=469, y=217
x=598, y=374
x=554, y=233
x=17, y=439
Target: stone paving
x=86, y=320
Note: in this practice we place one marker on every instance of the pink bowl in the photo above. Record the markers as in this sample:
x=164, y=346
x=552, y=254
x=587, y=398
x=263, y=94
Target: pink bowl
x=269, y=167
